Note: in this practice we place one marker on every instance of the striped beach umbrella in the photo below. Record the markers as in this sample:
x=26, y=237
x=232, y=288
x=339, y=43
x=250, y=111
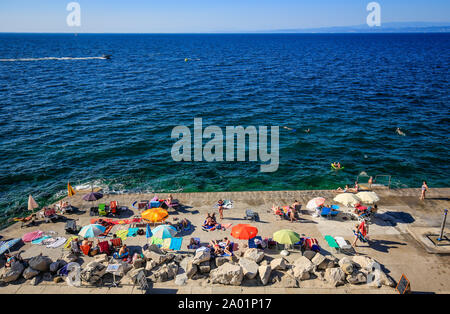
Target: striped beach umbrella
x=91, y=231
x=164, y=232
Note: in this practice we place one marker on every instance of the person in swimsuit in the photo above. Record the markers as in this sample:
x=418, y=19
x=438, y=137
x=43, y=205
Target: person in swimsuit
x=362, y=229
x=424, y=190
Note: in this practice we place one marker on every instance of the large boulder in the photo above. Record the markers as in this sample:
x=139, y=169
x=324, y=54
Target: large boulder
x=101, y=258
x=278, y=264
x=69, y=257
x=92, y=272
x=55, y=266
x=164, y=272
x=309, y=254
x=323, y=262
x=249, y=267
x=347, y=268
x=264, y=273
x=201, y=256
x=366, y=263
x=30, y=273
x=227, y=274
x=134, y=273
x=302, y=269
x=12, y=273
x=149, y=266
x=220, y=260
x=356, y=278
x=181, y=279
x=254, y=255
x=204, y=267
x=334, y=276
x=157, y=257
x=378, y=278
x=41, y=263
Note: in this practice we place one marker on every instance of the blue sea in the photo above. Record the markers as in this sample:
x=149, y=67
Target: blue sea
x=66, y=115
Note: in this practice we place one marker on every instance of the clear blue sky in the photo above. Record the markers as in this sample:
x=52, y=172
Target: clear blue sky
x=142, y=16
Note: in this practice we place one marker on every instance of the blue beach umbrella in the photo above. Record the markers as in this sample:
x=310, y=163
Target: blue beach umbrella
x=164, y=231
x=91, y=231
x=149, y=233
x=8, y=245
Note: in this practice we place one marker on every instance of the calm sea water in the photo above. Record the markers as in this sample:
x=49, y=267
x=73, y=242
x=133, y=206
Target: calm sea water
x=109, y=121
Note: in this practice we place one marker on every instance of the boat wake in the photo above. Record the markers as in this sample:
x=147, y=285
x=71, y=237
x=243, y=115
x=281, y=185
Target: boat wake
x=55, y=58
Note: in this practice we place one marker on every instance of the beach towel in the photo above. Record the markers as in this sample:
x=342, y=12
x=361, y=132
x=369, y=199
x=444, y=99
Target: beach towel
x=58, y=242
x=132, y=232
x=122, y=234
x=32, y=236
x=176, y=243
x=39, y=240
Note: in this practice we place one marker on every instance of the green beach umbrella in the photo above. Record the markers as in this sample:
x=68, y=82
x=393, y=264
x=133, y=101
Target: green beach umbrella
x=286, y=236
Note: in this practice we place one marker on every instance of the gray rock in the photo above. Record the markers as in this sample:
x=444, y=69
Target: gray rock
x=41, y=263
x=278, y=264
x=55, y=266
x=284, y=253
x=181, y=279
x=157, y=257
x=309, y=254
x=264, y=273
x=30, y=273
x=204, y=267
x=12, y=273
x=254, y=255
x=334, y=276
x=366, y=263
x=249, y=268
x=133, y=274
x=378, y=278
x=149, y=266
x=347, y=268
x=139, y=263
x=356, y=278
x=201, y=256
x=227, y=274
x=221, y=260
x=100, y=258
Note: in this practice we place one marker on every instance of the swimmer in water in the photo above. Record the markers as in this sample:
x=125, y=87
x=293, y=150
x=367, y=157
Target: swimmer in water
x=307, y=130
x=399, y=132
x=290, y=129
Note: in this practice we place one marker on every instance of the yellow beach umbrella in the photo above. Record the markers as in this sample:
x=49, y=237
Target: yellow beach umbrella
x=70, y=190
x=286, y=236
x=155, y=214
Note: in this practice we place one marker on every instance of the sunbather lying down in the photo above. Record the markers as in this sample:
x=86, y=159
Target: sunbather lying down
x=221, y=247
x=210, y=221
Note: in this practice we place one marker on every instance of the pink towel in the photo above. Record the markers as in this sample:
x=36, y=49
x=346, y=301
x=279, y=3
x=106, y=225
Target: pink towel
x=32, y=236
x=226, y=225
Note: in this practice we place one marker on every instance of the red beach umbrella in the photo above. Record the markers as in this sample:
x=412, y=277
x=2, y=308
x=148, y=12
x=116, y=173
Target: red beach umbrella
x=244, y=232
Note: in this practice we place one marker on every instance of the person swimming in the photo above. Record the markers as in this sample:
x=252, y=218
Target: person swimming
x=399, y=132
x=307, y=130
x=287, y=128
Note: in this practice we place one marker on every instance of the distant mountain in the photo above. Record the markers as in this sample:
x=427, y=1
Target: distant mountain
x=392, y=27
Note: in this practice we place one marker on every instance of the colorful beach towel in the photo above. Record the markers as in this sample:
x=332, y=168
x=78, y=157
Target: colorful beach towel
x=67, y=245
x=32, y=236
x=156, y=241
x=175, y=244
x=39, y=240
x=132, y=232
x=122, y=234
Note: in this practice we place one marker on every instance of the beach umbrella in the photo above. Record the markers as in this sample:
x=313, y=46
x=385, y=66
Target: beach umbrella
x=164, y=232
x=70, y=190
x=157, y=214
x=32, y=203
x=8, y=245
x=93, y=196
x=244, y=232
x=368, y=197
x=286, y=236
x=148, y=233
x=315, y=202
x=347, y=199
x=91, y=231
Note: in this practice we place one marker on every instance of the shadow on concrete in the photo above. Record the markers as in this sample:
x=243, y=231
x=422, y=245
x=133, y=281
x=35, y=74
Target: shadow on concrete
x=384, y=245
x=393, y=218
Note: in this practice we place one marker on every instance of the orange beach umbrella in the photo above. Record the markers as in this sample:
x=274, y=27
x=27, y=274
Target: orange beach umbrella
x=244, y=232
x=155, y=214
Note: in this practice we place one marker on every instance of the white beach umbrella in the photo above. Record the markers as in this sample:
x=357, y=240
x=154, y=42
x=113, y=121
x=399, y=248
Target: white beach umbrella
x=368, y=197
x=347, y=199
x=315, y=202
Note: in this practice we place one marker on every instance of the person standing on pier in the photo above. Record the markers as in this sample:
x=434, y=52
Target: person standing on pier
x=424, y=190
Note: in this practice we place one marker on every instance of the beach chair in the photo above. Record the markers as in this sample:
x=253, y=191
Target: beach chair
x=343, y=245
x=251, y=215
x=332, y=243
x=71, y=227
x=50, y=215
x=102, y=210
x=328, y=212
x=251, y=242
x=116, y=243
